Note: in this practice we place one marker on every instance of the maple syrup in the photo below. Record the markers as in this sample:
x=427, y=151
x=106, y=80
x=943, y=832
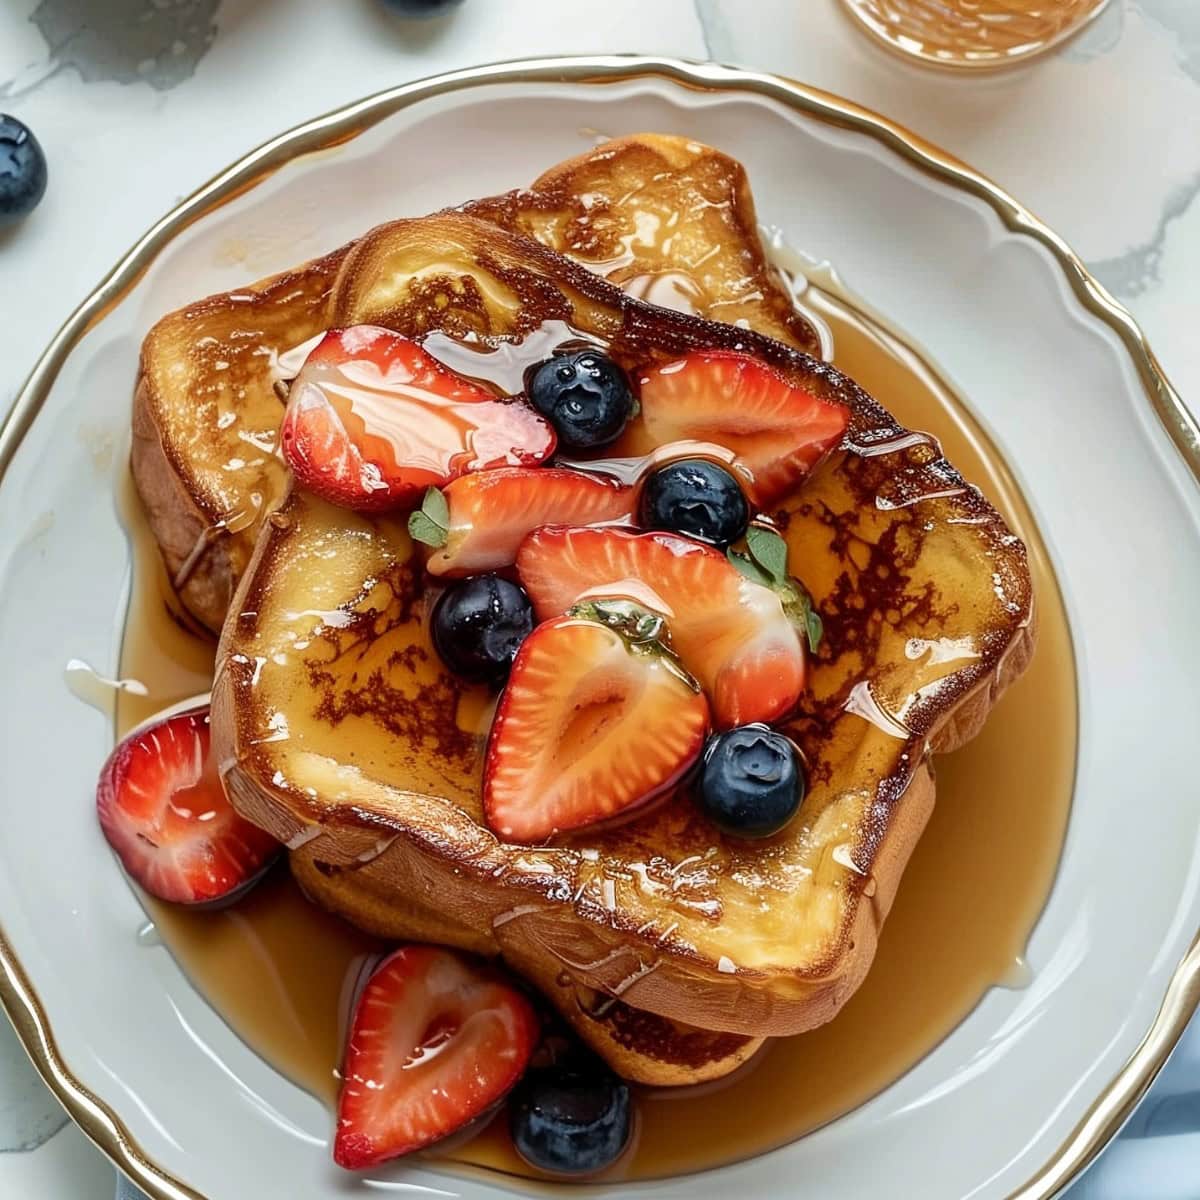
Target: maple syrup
x=281, y=972
x=972, y=33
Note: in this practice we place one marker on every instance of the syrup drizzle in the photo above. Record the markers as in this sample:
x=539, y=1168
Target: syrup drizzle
x=233, y=522
x=501, y=364
x=87, y=684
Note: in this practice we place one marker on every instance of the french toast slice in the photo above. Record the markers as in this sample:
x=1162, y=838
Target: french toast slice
x=638, y=209
x=668, y=220
x=337, y=729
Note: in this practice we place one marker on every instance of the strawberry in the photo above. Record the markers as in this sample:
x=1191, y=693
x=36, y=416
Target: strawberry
x=435, y=1042
x=481, y=519
x=163, y=810
x=778, y=431
x=373, y=420
x=737, y=635
x=598, y=718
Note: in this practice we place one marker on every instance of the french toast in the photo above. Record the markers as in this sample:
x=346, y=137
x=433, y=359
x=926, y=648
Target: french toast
x=205, y=398
x=674, y=222
x=637, y=209
x=337, y=729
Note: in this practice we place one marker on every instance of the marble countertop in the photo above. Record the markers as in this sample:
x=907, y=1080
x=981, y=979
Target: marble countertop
x=137, y=102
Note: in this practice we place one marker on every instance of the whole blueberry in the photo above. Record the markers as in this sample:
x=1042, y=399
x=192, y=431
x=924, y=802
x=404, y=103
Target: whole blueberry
x=572, y=1118
x=22, y=171
x=478, y=625
x=585, y=395
x=420, y=8
x=696, y=497
x=751, y=782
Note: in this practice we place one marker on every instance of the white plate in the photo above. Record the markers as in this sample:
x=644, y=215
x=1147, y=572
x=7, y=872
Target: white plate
x=1057, y=373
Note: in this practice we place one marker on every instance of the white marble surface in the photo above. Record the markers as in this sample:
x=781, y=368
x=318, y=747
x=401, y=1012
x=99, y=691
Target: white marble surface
x=137, y=102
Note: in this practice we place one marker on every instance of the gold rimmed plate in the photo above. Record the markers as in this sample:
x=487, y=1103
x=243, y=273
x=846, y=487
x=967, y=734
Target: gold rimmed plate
x=1028, y=1087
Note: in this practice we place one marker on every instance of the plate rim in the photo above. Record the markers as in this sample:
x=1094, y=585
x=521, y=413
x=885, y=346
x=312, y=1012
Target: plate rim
x=18, y=998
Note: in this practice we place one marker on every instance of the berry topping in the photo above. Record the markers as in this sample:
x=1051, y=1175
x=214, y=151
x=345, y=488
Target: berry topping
x=737, y=635
x=585, y=394
x=373, y=421
x=22, y=171
x=571, y=1119
x=163, y=810
x=486, y=515
x=752, y=782
x=479, y=625
x=598, y=718
x=695, y=497
x=435, y=1042
x=778, y=431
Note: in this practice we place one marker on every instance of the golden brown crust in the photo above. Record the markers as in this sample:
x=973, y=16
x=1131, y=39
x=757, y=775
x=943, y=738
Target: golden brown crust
x=635, y=204
x=640, y=1046
x=927, y=598
x=205, y=416
x=193, y=369
x=379, y=850
x=968, y=717
x=177, y=523
x=490, y=917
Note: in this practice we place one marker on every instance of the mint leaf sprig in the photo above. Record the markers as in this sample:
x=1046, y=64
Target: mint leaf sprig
x=766, y=563
x=430, y=524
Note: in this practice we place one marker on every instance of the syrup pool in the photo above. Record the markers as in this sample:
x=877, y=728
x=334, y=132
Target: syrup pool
x=280, y=971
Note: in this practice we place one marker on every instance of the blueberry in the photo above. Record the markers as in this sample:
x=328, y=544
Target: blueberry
x=22, y=171
x=585, y=395
x=479, y=625
x=573, y=1118
x=696, y=497
x=751, y=783
x=420, y=8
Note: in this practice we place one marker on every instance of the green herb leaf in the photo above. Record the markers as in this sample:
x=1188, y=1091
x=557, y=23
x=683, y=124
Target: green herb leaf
x=430, y=523
x=434, y=506
x=749, y=568
x=801, y=611
x=769, y=550
x=422, y=529
x=814, y=626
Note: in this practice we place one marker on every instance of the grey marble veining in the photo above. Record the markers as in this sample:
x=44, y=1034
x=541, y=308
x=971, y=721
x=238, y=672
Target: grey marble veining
x=1130, y=274
x=156, y=42
x=718, y=42
x=1179, y=20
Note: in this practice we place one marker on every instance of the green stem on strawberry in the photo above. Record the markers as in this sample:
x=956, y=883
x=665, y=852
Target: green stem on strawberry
x=766, y=563
x=644, y=632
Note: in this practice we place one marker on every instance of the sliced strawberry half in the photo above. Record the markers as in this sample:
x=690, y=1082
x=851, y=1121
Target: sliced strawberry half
x=777, y=430
x=163, y=810
x=731, y=632
x=434, y=1043
x=597, y=719
x=373, y=420
x=487, y=514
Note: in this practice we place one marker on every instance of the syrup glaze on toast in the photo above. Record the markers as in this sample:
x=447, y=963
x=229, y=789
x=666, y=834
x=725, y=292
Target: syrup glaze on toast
x=206, y=426
x=275, y=967
x=206, y=417
x=286, y=308
x=667, y=220
x=205, y=395
x=329, y=707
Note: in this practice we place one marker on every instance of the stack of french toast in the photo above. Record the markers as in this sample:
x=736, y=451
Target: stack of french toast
x=546, y=795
